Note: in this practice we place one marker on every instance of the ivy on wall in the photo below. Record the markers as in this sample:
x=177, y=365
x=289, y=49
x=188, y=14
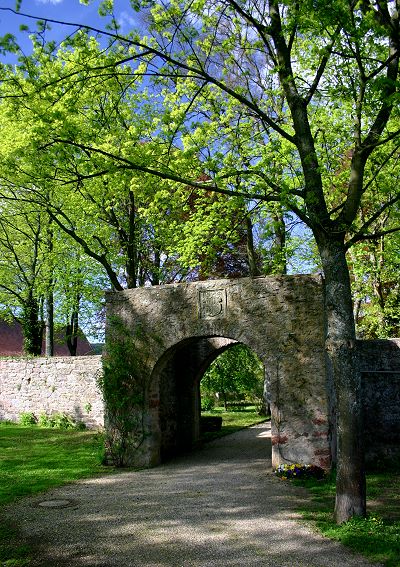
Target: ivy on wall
x=125, y=385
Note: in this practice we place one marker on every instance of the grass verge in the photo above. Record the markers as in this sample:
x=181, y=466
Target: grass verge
x=377, y=536
x=34, y=459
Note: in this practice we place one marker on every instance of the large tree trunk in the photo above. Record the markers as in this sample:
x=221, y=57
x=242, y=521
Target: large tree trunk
x=341, y=348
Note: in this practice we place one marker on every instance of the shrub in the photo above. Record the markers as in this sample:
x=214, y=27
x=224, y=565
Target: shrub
x=207, y=403
x=59, y=421
x=27, y=418
x=44, y=420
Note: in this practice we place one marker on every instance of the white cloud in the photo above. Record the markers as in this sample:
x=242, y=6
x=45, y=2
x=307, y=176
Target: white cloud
x=49, y=2
x=126, y=21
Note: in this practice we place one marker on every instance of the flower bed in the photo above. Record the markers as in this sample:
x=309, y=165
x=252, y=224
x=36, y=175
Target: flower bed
x=298, y=470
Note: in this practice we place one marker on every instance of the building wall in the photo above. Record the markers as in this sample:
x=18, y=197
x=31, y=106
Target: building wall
x=59, y=384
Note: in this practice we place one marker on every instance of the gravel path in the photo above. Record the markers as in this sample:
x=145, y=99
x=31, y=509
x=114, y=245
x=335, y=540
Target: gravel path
x=217, y=507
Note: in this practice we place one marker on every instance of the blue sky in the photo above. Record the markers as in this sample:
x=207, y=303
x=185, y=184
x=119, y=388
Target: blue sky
x=64, y=10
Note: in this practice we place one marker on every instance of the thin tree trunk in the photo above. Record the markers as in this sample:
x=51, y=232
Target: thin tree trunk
x=341, y=347
x=31, y=327
x=357, y=309
x=72, y=333
x=73, y=327
x=155, y=273
x=251, y=254
x=279, y=246
x=49, y=324
x=131, y=248
x=49, y=302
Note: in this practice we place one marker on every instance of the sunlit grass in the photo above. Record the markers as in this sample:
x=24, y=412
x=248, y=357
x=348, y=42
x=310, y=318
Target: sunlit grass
x=34, y=459
x=378, y=535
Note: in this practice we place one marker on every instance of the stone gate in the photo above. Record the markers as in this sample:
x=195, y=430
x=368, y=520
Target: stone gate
x=160, y=340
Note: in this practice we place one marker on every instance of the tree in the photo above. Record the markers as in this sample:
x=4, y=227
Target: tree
x=138, y=231
x=21, y=264
x=335, y=67
x=27, y=265
x=236, y=372
x=314, y=55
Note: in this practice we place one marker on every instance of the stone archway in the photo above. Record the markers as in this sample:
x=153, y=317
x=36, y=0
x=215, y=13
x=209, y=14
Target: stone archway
x=170, y=335
x=178, y=377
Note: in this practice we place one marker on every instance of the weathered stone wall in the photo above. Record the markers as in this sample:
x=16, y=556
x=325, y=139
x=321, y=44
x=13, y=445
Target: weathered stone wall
x=379, y=355
x=176, y=331
x=281, y=318
x=380, y=364
x=49, y=385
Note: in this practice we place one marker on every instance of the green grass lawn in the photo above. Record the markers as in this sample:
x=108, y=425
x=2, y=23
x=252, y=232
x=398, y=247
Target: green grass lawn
x=232, y=420
x=34, y=459
x=377, y=536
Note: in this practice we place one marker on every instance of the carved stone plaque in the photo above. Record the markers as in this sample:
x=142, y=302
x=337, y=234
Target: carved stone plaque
x=212, y=303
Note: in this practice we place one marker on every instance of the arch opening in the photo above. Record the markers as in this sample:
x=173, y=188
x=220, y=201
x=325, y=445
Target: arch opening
x=179, y=375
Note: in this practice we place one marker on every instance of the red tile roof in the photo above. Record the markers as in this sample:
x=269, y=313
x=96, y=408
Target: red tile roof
x=11, y=342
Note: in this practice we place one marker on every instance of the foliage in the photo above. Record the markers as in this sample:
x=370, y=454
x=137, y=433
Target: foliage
x=59, y=420
x=27, y=418
x=236, y=374
x=375, y=271
x=124, y=390
x=21, y=268
x=207, y=403
x=138, y=231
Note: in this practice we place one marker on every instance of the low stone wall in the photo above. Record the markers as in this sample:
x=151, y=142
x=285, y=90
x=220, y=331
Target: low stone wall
x=48, y=385
x=380, y=365
x=381, y=405
x=70, y=385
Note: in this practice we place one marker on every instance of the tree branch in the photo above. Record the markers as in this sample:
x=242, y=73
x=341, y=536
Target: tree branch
x=360, y=235
x=322, y=66
x=197, y=72
x=374, y=236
